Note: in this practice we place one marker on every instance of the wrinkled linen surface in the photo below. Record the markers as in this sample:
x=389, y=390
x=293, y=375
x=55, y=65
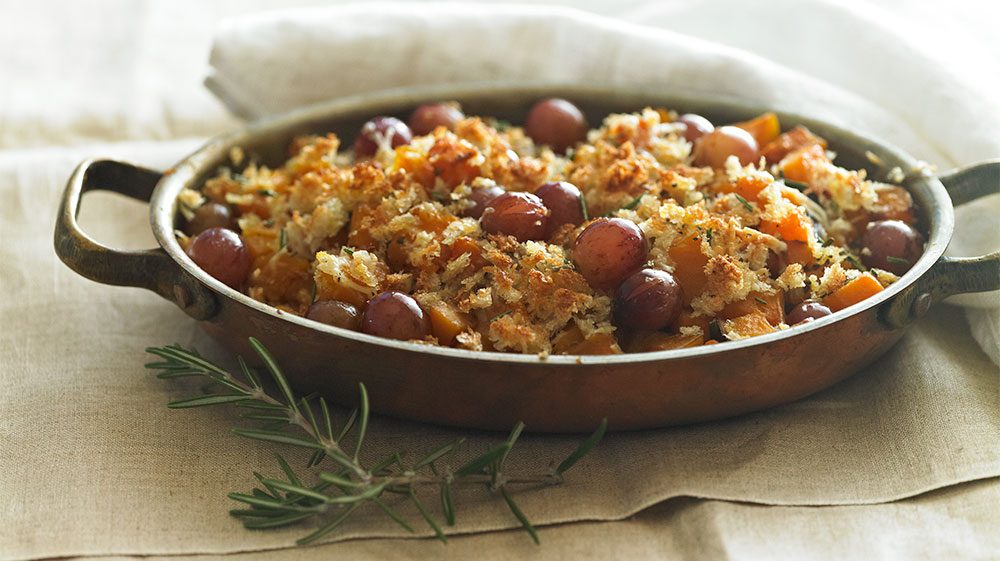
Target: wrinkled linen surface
x=94, y=465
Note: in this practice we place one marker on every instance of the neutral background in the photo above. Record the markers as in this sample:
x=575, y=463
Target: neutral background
x=123, y=78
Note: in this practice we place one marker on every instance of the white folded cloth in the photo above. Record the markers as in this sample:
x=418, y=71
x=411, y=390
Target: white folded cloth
x=846, y=64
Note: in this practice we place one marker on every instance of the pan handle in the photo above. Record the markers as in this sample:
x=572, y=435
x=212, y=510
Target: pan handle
x=151, y=269
x=953, y=275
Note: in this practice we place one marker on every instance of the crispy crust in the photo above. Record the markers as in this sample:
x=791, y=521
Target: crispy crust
x=325, y=226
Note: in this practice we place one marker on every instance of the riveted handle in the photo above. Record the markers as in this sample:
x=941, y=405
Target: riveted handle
x=953, y=275
x=151, y=269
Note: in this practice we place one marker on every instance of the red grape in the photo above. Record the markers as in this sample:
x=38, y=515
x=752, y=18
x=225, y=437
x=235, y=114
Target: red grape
x=426, y=118
x=556, y=123
x=695, y=126
x=608, y=250
x=376, y=131
x=564, y=201
x=648, y=299
x=715, y=147
x=222, y=254
x=396, y=316
x=517, y=214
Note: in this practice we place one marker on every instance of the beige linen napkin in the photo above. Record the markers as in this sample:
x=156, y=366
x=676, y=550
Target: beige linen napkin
x=92, y=463
x=956, y=523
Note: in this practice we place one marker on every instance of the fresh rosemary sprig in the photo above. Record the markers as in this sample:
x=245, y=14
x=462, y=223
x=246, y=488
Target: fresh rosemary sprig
x=344, y=484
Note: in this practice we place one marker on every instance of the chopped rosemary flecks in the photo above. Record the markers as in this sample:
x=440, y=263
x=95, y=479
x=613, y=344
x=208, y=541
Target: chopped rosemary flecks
x=347, y=250
x=344, y=483
x=746, y=204
x=708, y=235
x=266, y=192
x=500, y=315
x=798, y=186
x=282, y=239
x=583, y=208
x=897, y=260
x=633, y=203
x=760, y=300
x=856, y=262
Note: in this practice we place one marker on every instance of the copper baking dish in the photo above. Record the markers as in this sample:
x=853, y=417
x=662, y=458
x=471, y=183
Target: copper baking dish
x=558, y=393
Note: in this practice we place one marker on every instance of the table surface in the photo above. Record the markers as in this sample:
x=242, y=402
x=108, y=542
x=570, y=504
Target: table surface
x=118, y=71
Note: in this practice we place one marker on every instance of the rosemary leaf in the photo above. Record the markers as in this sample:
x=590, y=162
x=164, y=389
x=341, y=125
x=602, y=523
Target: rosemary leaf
x=584, y=209
x=307, y=409
x=260, y=492
x=338, y=480
x=432, y=456
x=248, y=374
x=278, y=436
x=256, y=513
x=363, y=423
x=316, y=458
x=266, y=417
x=171, y=374
x=339, y=493
x=329, y=526
x=514, y=434
x=297, y=489
x=272, y=367
x=187, y=357
x=327, y=419
x=393, y=514
x=276, y=521
x=479, y=464
x=585, y=446
x=272, y=492
x=427, y=516
x=269, y=503
x=520, y=515
x=289, y=472
x=348, y=425
x=393, y=458
x=260, y=405
x=447, y=504
x=206, y=400
x=368, y=493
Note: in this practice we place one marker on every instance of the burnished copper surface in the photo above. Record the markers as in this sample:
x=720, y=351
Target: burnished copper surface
x=557, y=393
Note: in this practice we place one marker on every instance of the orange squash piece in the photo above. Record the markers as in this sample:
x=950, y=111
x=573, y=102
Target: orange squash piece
x=799, y=252
x=792, y=228
x=749, y=325
x=798, y=165
x=359, y=236
x=687, y=319
x=689, y=267
x=772, y=306
x=572, y=342
x=750, y=187
x=649, y=341
x=597, y=344
x=764, y=128
x=446, y=322
x=412, y=161
x=432, y=218
x=864, y=286
x=567, y=339
x=795, y=139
